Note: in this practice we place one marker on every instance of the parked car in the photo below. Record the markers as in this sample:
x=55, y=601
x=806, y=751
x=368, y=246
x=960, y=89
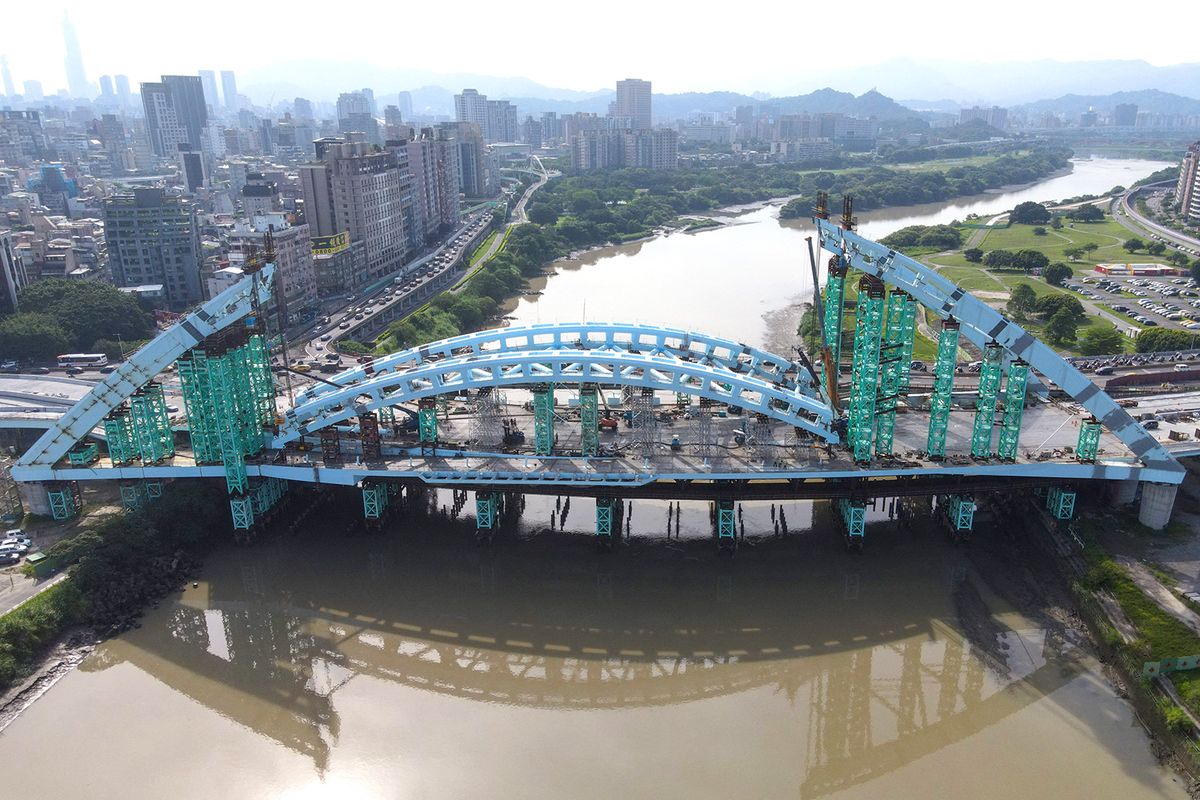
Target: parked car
x=9, y=557
x=919, y=366
x=13, y=544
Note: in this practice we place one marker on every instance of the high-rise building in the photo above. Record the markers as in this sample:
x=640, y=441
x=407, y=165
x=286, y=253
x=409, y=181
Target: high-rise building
x=124, y=95
x=33, y=91
x=633, y=101
x=153, y=239
x=471, y=106
x=77, y=82
x=995, y=116
x=531, y=132
x=6, y=73
x=175, y=113
x=296, y=283
x=370, y=95
x=353, y=190
x=229, y=91
x=502, y=122
x=12, y=274
x=435, y=183
x=208, y=80
x=1187, y=190
x=106, y=86
x=303, y=109
x=1125, y=115
x=603, y=149
x=404, y=100
x=22, y=132
x=391, y=115
x=355, y=116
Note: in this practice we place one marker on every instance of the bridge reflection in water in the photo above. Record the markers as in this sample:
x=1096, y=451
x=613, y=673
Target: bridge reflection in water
x=881, y=660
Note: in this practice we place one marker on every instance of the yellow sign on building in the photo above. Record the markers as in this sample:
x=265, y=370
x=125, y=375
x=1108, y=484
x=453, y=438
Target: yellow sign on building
x=323, y=245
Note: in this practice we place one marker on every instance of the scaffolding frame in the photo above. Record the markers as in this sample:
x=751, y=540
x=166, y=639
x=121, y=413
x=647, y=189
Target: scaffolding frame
x=864, y=386
x=375, y=500
x=1014, y=409
x=985, y=401
x=1088, y=446
x=854, y=517
x=831, y=333
x=589, y=419
x=543, y=419
x=761, y=437
x=702, y=430
x=899, y=317
x=1060, y=502
x=604, y=516
x=941, y=398
x=960, y=511
x=118, y=436
x=644, y=422
x=427, y=422
x=726, y=521
x=487, y=417
x=368, y=435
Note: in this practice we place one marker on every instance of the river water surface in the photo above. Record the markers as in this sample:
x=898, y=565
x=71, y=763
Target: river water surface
x=413, y=664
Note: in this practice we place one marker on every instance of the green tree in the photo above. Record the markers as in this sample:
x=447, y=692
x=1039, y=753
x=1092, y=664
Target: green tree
x=1157, y=340
x=1088, y=213
x=1022, y=301
x=1061, y=328
x=1029, y=213
x=1056, y=222
x=973, y=254
x=1101, y=341
x=999, y=258
x=1177, y=258
x=1051, y=304
x=1090, y=248
x=1195, y=270
x=1133, y=245
x=1156, y=248
x=1030, y=260
x=1056, y=273
x=1073, y=253
x=32, y=336
x=88, y=311
x=543, y=214
x=1039, y=231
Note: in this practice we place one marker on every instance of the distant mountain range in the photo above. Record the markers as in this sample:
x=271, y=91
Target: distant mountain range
x=1076, y=85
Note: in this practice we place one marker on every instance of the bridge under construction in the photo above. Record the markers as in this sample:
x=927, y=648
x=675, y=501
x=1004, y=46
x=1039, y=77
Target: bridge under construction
x=616, y=410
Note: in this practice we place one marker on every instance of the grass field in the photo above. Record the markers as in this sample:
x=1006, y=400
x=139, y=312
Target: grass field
x=1109, y=235
x=483, y=248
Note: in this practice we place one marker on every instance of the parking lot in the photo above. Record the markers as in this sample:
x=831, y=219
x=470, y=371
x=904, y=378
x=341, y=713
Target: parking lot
x=1147, y=302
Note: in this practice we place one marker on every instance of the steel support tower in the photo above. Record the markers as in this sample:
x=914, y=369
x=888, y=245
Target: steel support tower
x=831, y=334
x=589, y=419
x=1089, y=440
x=985, y=402
x=895, y=356
x=487, y=418
x=543, y=419
x=1014, y=409
x=864, y=386
x=702, y=430
x=644, y=422
x=941, y=397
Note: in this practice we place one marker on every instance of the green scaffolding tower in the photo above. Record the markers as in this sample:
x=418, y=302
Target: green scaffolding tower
x=943, y=388
x=985, y=401
x=543, y=419
x=1014, y=408
x=864, y=385
x=831, y=335
x=1089, y=440
x=427, y=422
x=203, y=429
x=118, y=435
x=589, y=419
x=895, y=358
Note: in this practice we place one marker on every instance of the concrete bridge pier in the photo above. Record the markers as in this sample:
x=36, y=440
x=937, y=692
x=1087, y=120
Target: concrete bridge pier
x=1158, y=500
x=35, y=497
x=1124, y=492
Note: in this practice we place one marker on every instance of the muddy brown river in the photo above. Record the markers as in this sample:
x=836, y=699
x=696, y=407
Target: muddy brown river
x=411, y=663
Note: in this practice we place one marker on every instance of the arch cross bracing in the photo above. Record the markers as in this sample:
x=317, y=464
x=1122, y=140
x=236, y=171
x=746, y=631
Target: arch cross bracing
x=982, y=324
x=145, y=365
x=662, y=371
x=653, y=340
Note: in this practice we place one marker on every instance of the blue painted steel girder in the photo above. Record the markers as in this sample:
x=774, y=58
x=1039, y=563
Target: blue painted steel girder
x=612, y=368
x=647, y=339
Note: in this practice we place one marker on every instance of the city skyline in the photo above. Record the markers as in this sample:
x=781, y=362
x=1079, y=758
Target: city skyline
x=766, y=62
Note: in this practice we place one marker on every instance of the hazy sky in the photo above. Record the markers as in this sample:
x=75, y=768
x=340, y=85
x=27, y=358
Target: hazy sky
x=697, y=45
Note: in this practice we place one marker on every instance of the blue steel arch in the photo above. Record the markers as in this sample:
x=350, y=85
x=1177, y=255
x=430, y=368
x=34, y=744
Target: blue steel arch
x=565, y=367
x=982, y=325
x=687, y=345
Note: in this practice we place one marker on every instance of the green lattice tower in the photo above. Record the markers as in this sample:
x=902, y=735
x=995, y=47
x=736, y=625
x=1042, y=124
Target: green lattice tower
x=375, y=500
x=485, y=511
x=1014, y=408
x=682, y=399
x=985, y=401
x=249, y=429
x=62, y=502
x=118, y=435
x=831, y=334
x=589, y=419
x=259, y=361
x=145, y=429
x=1089, y=440
x=224, y=396
x=726, y=521
x=203, y=432
x=241, y=508
x=960, y=510
x=83, y=454
x=854, y=517
x=131, y=496
x=604, y=516
x=427, y=422
x=908, y=326
x=387, y=416
x=543, y=419
x=943, y=388
x=892, y=365
x=1060, y=502
x=160, y=417
x=864, y=385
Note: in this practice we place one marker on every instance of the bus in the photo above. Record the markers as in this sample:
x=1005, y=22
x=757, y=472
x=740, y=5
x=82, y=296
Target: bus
x=84, y=360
